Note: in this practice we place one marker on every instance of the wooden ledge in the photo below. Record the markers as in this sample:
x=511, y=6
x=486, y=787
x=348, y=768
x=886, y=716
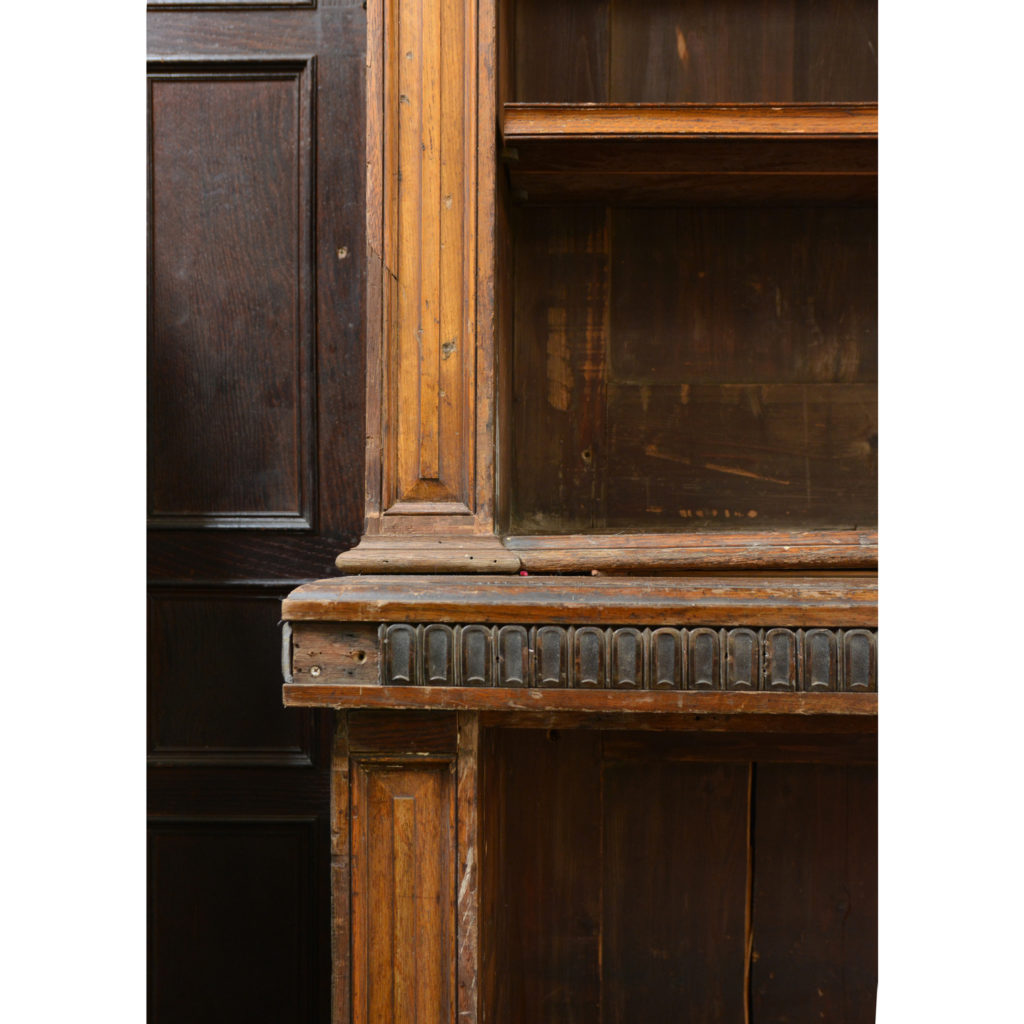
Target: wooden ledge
x=794, y=601
x=704, y=120
x=724, y=706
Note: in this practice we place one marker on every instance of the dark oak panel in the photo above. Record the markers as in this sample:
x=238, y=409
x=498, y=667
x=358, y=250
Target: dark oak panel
x=675, y=892
x=231, y=322
x=671, y=51
x=815, y=894
x=549, y=868
x=215, y=686
x=231, y=921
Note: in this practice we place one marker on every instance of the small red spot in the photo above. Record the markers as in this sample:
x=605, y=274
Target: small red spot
x=523, y=572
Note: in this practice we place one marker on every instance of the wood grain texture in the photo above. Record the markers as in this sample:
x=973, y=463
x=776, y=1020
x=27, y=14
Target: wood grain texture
x=696, y=51
x=429, y=220
x=513, y=700
x=636, y=121
x=674, y=891
x=231, y=342
x=679, y=552
x=549, y=870
x=403, y=888
x=796, y=601
x=341, y=879
x=815, y=894
x=736, y=385
x=214, y=686
x=470, y=847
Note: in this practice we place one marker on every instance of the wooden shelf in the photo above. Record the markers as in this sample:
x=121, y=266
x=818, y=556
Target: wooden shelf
x=584, y=600
x=650, y=153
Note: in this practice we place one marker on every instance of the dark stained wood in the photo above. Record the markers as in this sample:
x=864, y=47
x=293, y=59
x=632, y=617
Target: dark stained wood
x=256, y=407
x=509, y=698
x=561, y=50
x=696, y=50
x=231, y=343
x=674, y=891
x=214, y=683
x=233, y=919
x=808, y=601
x=561, y=312
x=777, y=746
x=549, y=868
x=739, y=384
x=815, y=894
x=419, y=732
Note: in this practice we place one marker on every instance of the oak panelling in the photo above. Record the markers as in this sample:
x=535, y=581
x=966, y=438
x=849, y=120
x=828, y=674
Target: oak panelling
x=231, y=407
x=561, y=51
x=550, y=876
x=815, y=894
x=214, y=682
x=674, y=891
x=671, y=51
x=232, y=917
x=381, y=732
x=403, y=892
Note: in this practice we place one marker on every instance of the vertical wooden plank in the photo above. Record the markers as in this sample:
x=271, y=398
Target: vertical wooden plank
x=468, y=899
x=674, y=891
x=815, y=894
x=341, y=995
x=550, y=877
x=403, y=821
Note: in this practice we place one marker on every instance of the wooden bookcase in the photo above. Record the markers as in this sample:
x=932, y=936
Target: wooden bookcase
x=605, y=660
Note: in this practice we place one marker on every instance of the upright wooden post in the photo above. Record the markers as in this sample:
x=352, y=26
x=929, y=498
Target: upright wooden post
x=430, y=333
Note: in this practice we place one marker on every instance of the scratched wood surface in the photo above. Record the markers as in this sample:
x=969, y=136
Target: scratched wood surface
x=666, y=51
x=698, y=368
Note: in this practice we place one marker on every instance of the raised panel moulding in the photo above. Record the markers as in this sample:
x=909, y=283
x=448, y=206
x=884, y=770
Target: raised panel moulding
x=232, y=325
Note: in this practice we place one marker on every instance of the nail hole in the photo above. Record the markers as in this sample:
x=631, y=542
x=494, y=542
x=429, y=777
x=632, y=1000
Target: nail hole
x=586, y=454
x=360, y=656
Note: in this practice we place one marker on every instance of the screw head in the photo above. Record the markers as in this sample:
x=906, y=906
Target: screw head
x=315, y=670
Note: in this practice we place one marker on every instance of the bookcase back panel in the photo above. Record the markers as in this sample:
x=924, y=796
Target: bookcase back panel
x=700, y=367
x=676, y=51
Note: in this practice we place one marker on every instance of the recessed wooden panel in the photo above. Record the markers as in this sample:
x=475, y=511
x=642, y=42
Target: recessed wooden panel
x=231, y=921
x=675, y=892
x=550, y=876
x=664, y=51
x=403, y=892
x=815, y=894
x=579, y=31
x=231, y=435
x=215, y=682
x=722, y=378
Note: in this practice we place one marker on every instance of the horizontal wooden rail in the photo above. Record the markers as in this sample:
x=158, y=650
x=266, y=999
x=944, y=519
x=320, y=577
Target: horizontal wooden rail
x=708, y=120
